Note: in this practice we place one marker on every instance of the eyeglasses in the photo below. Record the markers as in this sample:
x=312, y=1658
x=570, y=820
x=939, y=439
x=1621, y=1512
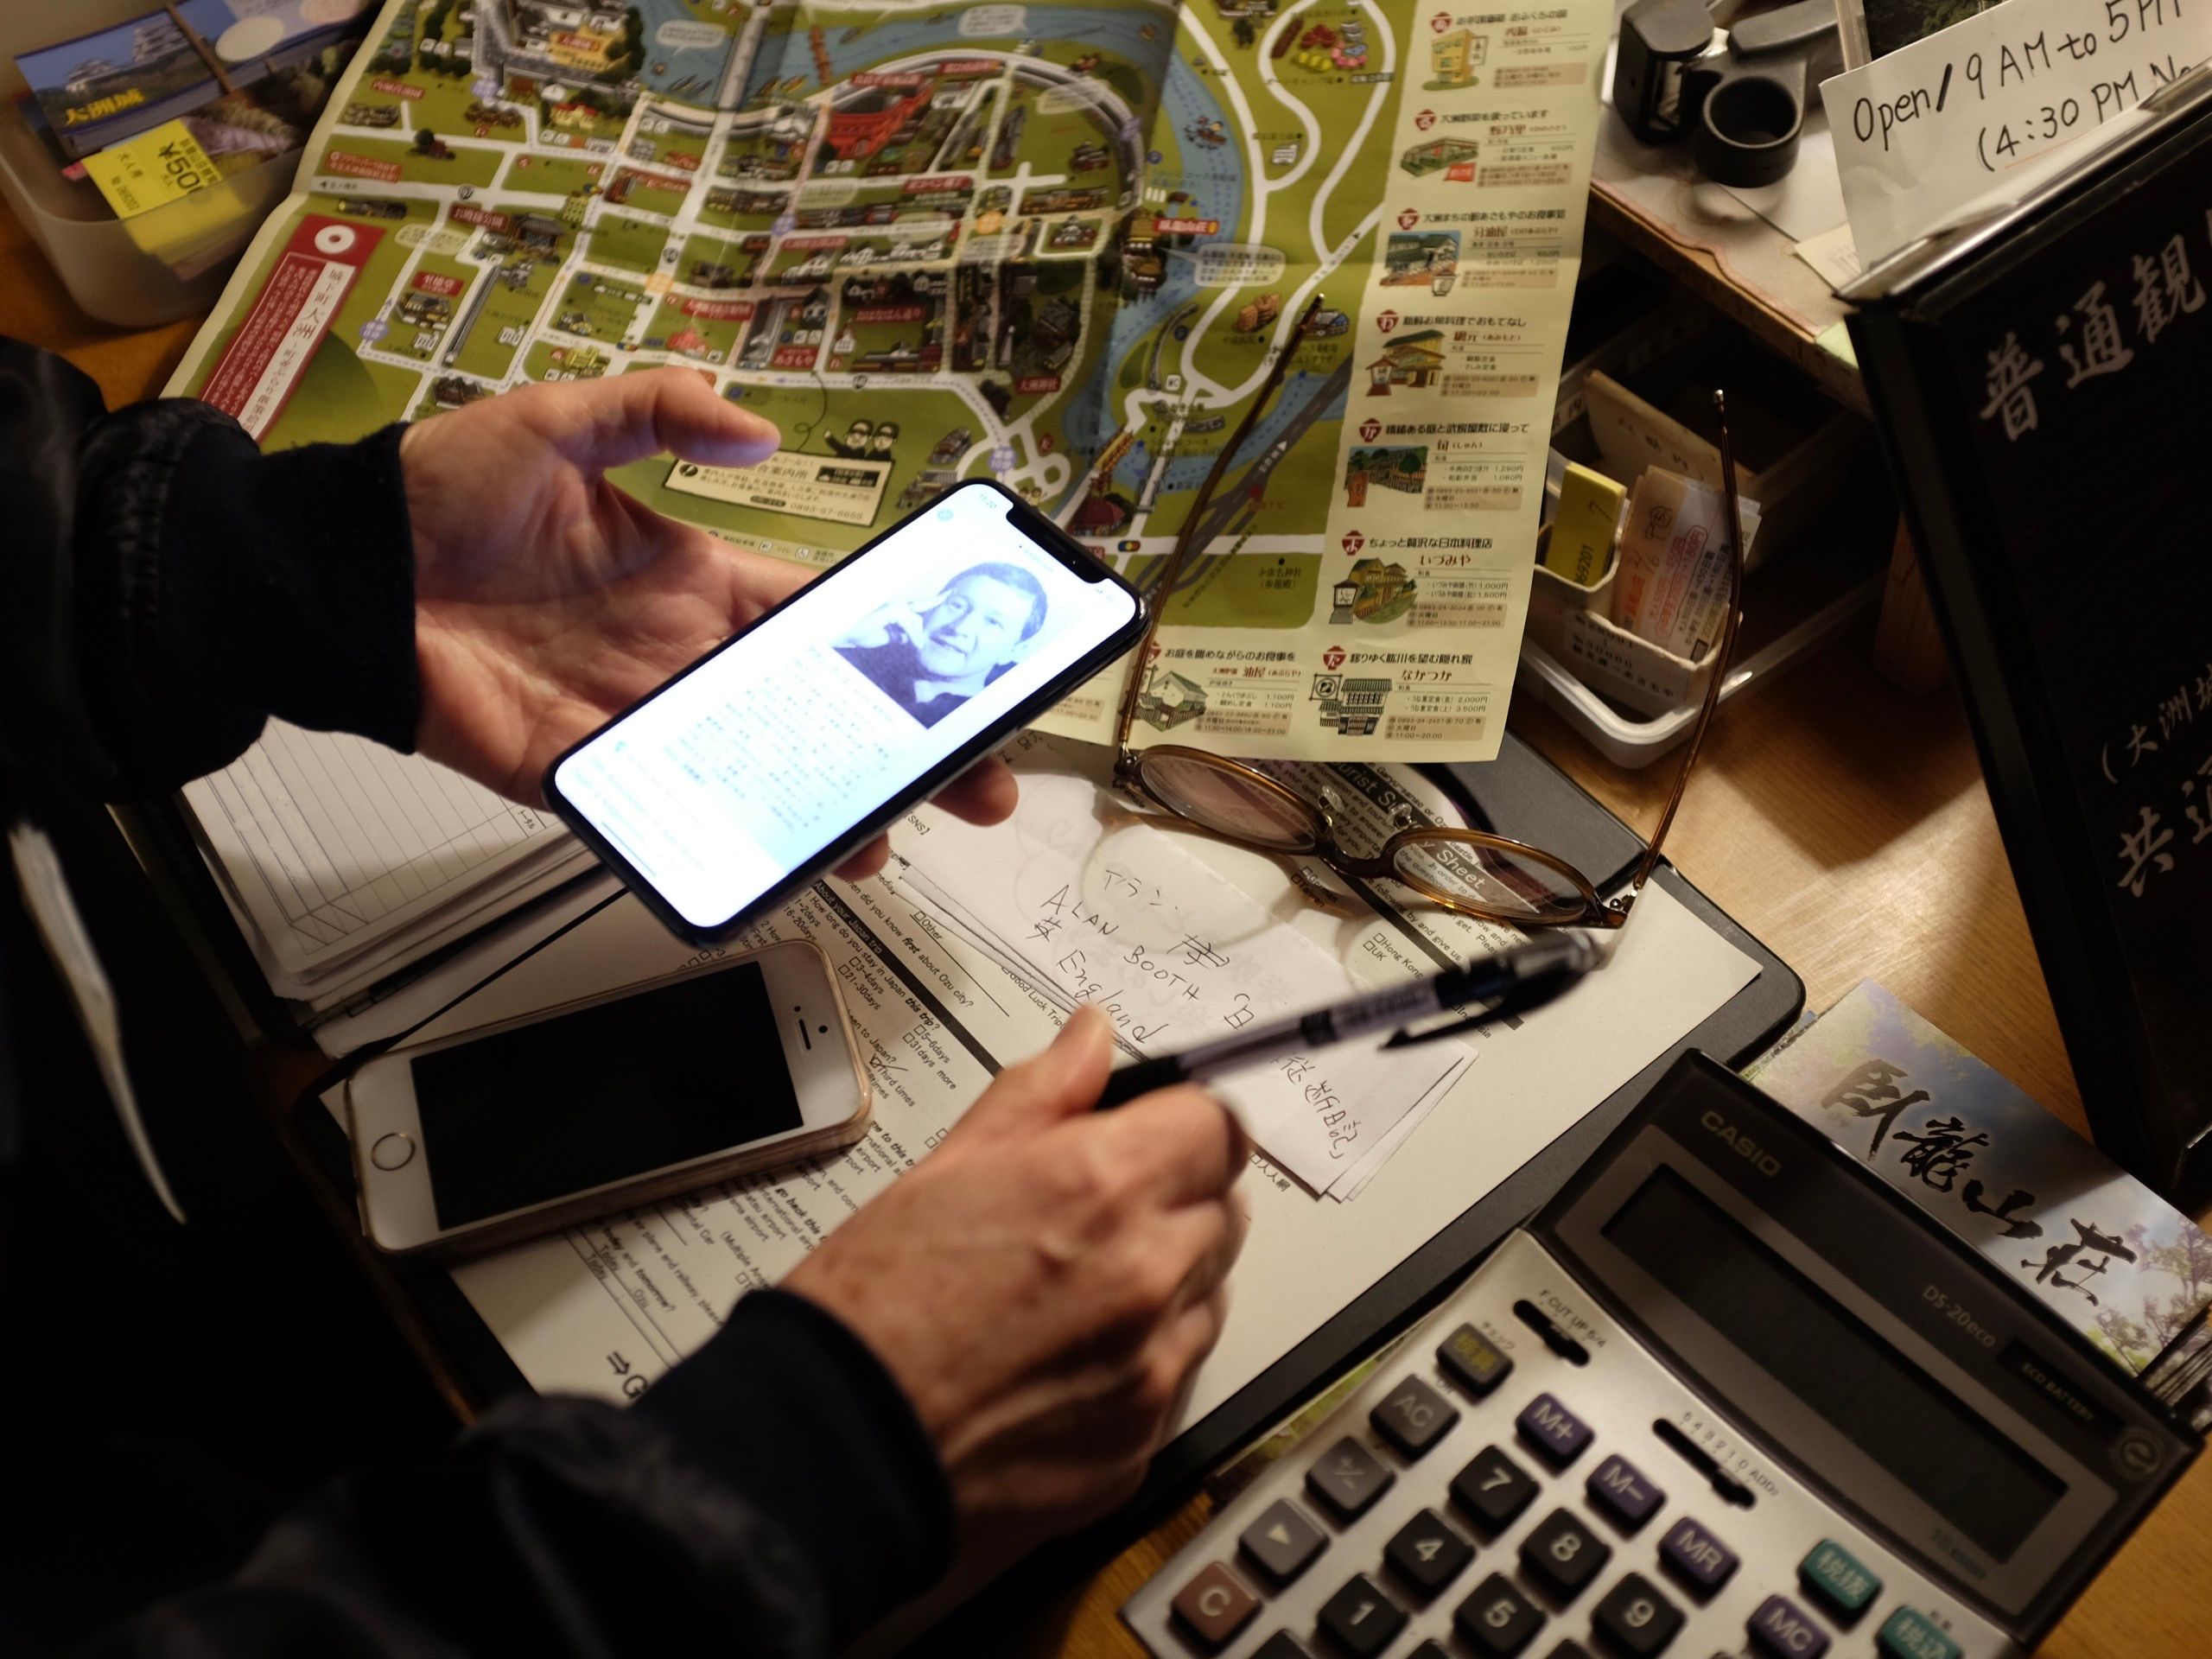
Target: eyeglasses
x=1470, y=872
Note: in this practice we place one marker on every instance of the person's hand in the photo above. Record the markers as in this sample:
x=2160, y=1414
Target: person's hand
x=547, y=599
x=900, y=616
x=1042, y=1285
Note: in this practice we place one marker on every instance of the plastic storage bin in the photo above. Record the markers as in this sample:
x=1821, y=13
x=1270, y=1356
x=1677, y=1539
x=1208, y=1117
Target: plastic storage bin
x=102, y=260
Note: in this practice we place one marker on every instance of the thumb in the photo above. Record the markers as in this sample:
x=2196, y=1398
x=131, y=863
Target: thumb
x=1063, y=1082
x=603, y=423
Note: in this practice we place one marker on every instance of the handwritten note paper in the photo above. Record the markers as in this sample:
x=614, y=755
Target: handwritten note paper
x=1993, y=101
x=1093, y=905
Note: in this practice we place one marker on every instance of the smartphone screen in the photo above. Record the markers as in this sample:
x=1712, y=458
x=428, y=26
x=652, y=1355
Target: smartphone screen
x=777, y=749
x=525, y=1116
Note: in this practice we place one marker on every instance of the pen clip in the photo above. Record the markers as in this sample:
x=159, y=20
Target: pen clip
x=1529, y=995
x=1408, y=1039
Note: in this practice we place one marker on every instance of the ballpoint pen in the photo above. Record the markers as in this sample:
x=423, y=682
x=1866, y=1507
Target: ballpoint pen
x=1512, y=982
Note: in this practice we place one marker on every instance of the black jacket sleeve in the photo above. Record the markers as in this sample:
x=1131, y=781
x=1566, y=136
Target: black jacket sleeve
x=774, y=1493
x=173, y=587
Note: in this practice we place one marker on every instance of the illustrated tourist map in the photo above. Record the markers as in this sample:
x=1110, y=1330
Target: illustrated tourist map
x=1051, y=243
x=1056, y=243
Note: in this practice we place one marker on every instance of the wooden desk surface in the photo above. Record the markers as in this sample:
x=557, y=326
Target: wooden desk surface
x=1841, y=822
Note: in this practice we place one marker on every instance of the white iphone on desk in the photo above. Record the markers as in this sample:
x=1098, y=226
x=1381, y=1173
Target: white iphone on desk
x=495, y=1135
x=782, y=752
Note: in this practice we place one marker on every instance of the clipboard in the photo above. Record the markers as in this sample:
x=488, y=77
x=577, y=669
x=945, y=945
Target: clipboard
x=1519, y=794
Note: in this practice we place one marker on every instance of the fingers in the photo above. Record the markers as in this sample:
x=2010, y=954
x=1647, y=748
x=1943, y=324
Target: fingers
x=1205, y=1239
x=603, y=423
x=1063, y=1082
x=986, y=793
x=869, y=860
x=1191, y=1143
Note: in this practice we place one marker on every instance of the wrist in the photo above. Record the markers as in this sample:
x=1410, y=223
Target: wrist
x=788, y=1407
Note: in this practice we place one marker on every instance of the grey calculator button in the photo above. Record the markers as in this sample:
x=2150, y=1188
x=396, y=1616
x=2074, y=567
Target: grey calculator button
x=1414, y=1417
x=1493, y=1489
x=392, y=1151
x=1562, y=1555
x=1497, y=1621
x=1282, y=1541
x=1348, y=1479
x=1361, y=1620
x=1636, y=1620
x=1426, y=1554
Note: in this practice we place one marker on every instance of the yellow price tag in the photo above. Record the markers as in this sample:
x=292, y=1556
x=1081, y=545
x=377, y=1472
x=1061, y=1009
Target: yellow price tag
x=154, y=169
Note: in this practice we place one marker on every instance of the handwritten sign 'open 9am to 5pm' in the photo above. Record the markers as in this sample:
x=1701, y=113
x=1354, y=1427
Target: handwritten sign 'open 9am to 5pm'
x=1983, y=107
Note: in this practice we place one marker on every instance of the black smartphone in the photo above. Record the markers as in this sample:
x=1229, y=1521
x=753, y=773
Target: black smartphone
x=771, y=759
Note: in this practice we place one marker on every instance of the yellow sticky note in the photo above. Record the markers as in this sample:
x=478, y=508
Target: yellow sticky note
x=156, y=168
x=1581, y=544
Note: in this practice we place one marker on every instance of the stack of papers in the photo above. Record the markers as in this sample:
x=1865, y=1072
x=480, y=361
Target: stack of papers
x=344, y=862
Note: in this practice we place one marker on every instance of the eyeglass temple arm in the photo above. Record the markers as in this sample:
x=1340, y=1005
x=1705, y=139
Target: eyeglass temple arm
x=1133, y=686
x=1722, y=652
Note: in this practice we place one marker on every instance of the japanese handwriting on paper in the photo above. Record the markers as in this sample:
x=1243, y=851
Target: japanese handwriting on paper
x=1304, y=1072
x=1200, y=954
x=2090, y=1253
x=1871, y=1090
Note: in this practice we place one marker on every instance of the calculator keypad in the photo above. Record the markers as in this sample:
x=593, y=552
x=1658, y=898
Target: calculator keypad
x=1485, y=1495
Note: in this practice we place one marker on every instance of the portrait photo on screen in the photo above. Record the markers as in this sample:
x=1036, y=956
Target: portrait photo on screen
x=944, y=640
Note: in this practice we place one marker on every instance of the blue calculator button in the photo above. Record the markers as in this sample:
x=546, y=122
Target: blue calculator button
x=1696, y=1557
x=1554, y=1431
x=1786, y=1631
x=1618, y=1487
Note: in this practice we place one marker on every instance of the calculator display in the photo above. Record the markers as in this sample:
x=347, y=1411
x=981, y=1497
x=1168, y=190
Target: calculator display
x=1990, y=1489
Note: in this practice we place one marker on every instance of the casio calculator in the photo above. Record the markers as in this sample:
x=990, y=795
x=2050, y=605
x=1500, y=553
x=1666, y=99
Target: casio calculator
x=1727, y=1394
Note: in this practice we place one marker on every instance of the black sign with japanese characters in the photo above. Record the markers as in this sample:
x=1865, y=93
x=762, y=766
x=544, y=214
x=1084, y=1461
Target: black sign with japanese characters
x=2060, y=483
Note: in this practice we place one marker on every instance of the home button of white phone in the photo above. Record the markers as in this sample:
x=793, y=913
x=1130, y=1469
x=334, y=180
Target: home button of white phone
x=392, y=1151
